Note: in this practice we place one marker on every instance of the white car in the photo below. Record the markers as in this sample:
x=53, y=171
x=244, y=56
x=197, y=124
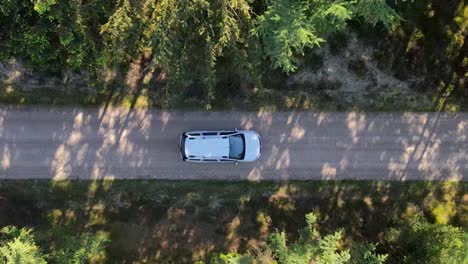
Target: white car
x=220, y=146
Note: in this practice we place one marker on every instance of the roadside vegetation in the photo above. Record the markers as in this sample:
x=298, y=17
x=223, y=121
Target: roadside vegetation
x=369, y=55
x=151, y=221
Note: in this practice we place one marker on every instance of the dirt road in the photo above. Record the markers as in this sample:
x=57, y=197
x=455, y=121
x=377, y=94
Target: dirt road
x=82, y=143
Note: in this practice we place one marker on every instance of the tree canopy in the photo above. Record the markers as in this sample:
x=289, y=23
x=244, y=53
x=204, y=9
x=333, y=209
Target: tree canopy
x=288, y=27
x=311, y=247
x=418, y=241
x=190, y=41
x=18, y=246
x=24, y=246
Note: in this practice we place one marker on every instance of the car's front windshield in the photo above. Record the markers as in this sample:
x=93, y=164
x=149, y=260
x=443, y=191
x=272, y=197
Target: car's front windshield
x=236, y=147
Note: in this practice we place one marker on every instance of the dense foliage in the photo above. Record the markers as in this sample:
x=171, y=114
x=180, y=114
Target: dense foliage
x=80, y=33
x=414, y=240
x=418, y=241
x=18, y=246
x=23, y=246
x=187, y=221
x=311, y=247
x=186, y=42
x=234, y=53
x=288, y=26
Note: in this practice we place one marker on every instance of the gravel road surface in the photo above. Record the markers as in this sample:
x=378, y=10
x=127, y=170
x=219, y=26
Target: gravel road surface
x=90, y=143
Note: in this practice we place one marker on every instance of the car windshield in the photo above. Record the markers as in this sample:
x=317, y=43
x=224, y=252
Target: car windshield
x=236, y=147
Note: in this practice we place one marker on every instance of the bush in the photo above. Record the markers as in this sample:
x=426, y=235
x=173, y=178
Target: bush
x=18, y=246
x=311, y=247
x=418, y=241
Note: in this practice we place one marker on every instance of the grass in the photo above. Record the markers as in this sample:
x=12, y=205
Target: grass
x=43, y=95
x=185, y=221
x=259, y=99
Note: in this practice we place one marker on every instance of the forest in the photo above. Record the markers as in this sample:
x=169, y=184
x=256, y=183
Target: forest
x=249, y=55
x=230, y=54
x=219, y=222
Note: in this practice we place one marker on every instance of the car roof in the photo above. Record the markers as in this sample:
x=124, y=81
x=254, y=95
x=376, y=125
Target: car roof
x=207, y=147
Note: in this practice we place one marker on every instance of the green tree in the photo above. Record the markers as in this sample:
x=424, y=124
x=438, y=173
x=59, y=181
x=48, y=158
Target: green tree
x=18, y=246
x=178, y=35
x=52, y=35
x=363, y=253
x=67, y=247
x=195, y=45
x=311, y=247
x=418, y=241
x=61, y=245
x=231, y=258
x=289, y=26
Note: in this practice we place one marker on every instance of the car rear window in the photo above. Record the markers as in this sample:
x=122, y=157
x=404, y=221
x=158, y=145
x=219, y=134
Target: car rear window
x=236, y=147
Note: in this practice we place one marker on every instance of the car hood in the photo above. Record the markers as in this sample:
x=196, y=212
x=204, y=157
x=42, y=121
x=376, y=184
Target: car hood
x=252, y=145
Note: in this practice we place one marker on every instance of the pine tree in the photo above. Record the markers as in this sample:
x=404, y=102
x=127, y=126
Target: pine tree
x=287, y=27
x=18, y=246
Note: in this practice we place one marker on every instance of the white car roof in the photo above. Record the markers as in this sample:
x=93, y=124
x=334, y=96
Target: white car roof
x=207, y=147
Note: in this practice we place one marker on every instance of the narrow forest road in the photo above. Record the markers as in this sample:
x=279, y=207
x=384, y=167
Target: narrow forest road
x=89, y=143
